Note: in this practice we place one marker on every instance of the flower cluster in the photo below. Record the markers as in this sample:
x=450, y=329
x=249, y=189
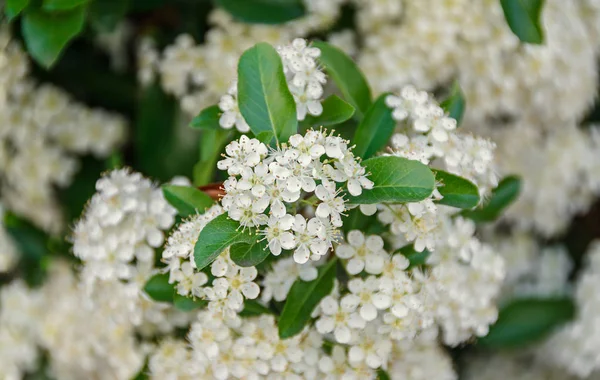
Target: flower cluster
x=304, y=78
x=122, y=224
x=265, y=188
x=231, y=284
x=41, y=129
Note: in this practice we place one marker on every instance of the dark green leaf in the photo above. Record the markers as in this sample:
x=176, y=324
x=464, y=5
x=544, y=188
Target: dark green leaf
x=263, y=11
x=528, y=320
x=346, y=75
x=186, y=303
x=159, y=289
x=502, y=196
x=61, y=5
x=47, y=34
x=455, y=103
x=303, y=298
x=216, y=236
x=523, y=18
x=396, y=180
x=254, y=308
x=212, y=142
x=382, y=375
x=375, y=130
x=335, y=111
x=264, y=98
x=249, y=255
x=457, y=191
x=187, y=200
x=415, y=258
x=105, y=15
x=15, y=7
x=208, y=118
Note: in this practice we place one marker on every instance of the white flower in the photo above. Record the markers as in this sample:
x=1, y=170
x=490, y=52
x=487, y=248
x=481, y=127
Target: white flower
x=367, y=297
x=231, y=114
x=339, y=318
x=278, y=282
x=362, y=254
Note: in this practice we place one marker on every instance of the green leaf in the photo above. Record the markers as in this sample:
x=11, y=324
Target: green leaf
x=159, y=289
x=375, y=130
x=216, y=236
x=61, y=5
x=396, y=180
x=249, y=255
x=265, y=137
x=184, y=303
x=502, y=196
x=346, y=75
x=105, y=15
x=528, y=320
x=212, y=142
x=382, y=375
x=208, y=118
x=523, y=18
x=263, y=11
x=187, y=200
x=253, y=309
x=415, y=258
x=335, y=111
x=263, y=95
x=457, y=191
x=303, y=298
x=455, y=103
x=14, y=7
x=47, y=34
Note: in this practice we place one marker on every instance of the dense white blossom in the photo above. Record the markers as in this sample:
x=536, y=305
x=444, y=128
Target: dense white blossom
x=123, y=222
x=266, y=187
x=41, y=131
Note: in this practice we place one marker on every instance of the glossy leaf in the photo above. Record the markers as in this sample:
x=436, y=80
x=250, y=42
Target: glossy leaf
x=254, y=308
x=159, y=289
x=265, y=137
x=457, y=191
x=524, y=19
x=187, y=200
x=455, y=103
x=249, y=255
x=212, y=142
x=47, y=34
x=375, y=129
x=105, y=15
x=346, y=75
x=382, y=375
x=528, y=320
x=263, y=95
x=396, y=180
x=502, y=196
x=335, y=111
x=303, y=298
x=216, y=236
x=263, y=11
x=208, y=118
x=14, y=7
x=187, y=304
x=62, y=5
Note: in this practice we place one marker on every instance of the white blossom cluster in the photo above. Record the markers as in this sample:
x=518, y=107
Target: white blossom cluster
x=253, y=350
x=575, y=346
x=122, y=225
x=560, y=171
x=265, y=187
x=232, y=283
x=41, y=131
x=199, y=75
x=83, y=335
x=457, y=291
x=304, y=78
x=428, y=44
